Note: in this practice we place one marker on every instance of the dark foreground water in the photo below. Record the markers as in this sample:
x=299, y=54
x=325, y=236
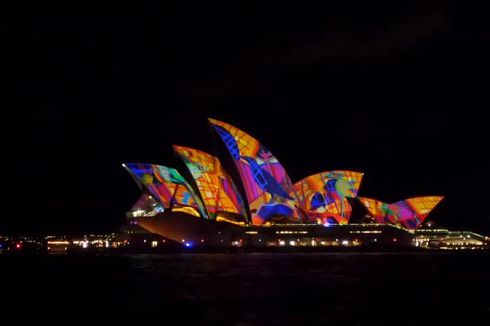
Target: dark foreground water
x=249, y=289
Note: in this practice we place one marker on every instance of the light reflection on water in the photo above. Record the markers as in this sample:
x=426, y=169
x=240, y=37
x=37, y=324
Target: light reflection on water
x=316, y=287
x=265, y=288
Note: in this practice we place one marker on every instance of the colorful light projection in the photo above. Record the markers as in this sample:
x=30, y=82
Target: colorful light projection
x=267, y=185
x=376, y=208
x=165, y=184
x=147, y=205
x=146, y=201
x=323, y=196
x=408, y=213
x=216, y=187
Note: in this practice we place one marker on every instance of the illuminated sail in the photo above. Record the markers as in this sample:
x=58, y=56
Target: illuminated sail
x=324, y=195
x=424, y=205
x=268, y=188
x=165, y=184
x=146, y=206
x=376, y=208
x=216, y=187
x=409, y=213
x=147, y=202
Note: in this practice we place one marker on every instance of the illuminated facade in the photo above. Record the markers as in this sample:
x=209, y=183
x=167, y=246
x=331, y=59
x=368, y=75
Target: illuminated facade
x=146, y=206
x=408, y=213
x=323, y=196
x=269, y=197
x=217, y=189
x=268, y=188
x=167, y=186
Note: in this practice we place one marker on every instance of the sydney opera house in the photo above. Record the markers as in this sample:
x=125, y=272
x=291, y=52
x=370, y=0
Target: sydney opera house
x=261, y=207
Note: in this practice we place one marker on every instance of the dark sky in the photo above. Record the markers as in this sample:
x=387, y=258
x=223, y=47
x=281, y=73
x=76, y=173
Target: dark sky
x=394, y=89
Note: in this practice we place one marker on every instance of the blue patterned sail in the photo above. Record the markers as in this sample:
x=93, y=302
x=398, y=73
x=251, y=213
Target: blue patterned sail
x=264, y=179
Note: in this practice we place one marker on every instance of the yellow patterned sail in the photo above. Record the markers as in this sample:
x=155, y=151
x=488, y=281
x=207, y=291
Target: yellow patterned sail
x=424, y=205
x=216, y=187
x=374, y=207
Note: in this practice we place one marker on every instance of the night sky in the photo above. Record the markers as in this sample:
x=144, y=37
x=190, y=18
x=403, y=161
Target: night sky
x=397, y=91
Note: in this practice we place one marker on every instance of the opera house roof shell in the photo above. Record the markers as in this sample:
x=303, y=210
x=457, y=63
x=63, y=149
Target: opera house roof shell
x=264, y=193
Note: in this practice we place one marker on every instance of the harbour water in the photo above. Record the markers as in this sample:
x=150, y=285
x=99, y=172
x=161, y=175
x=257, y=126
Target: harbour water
x=249, y=289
